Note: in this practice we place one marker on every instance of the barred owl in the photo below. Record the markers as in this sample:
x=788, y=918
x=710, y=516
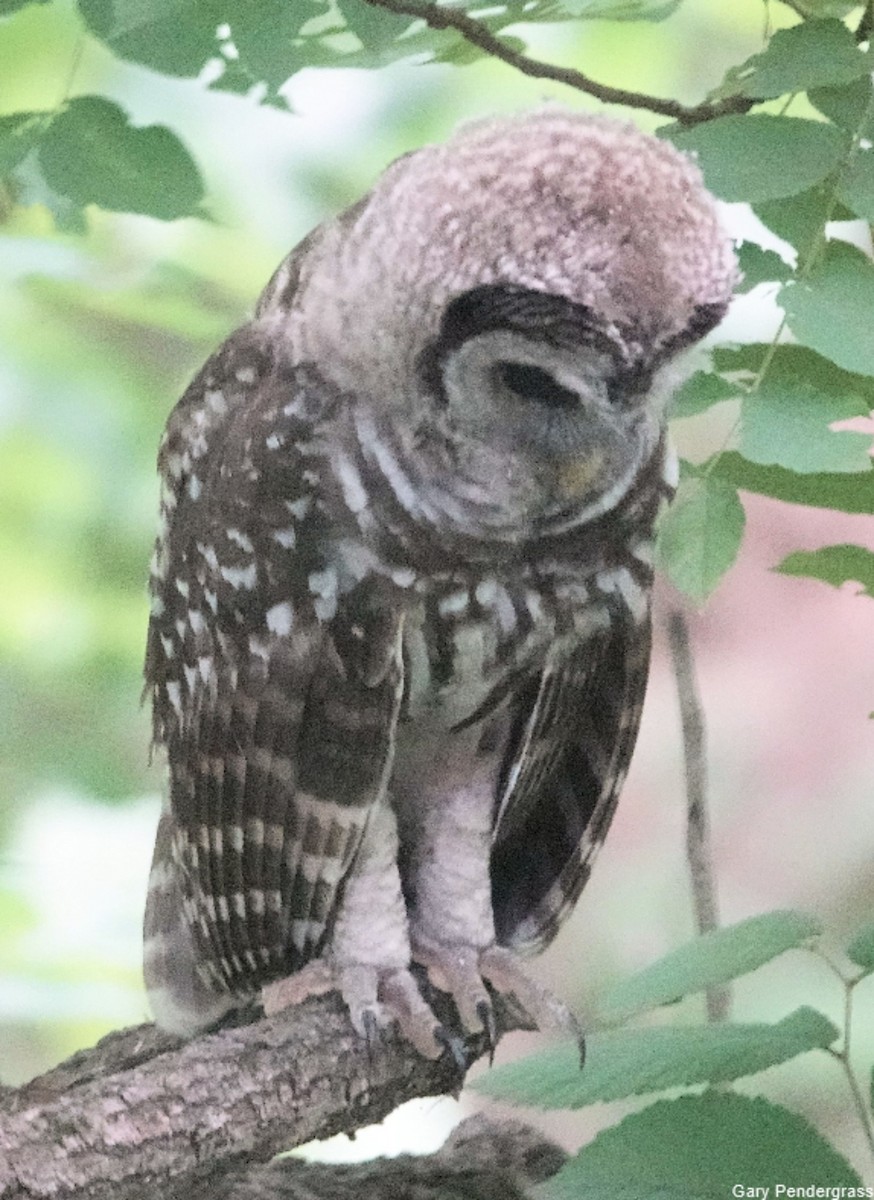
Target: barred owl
x=400, y=598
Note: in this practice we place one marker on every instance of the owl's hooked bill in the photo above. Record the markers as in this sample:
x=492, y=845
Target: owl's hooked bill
x=400, y=624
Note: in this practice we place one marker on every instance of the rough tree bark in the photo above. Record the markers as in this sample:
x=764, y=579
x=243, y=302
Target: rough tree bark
x=143, y=1115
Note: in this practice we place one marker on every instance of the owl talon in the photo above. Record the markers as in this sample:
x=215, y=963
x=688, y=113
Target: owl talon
x=401, y=996
x=503, y=970
x=371, y=1028
x=455, y=1046
x=486, y=1015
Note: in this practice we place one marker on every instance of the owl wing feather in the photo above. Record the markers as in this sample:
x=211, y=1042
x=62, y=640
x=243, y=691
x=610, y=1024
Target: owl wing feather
x=572, y=737
x=278, y=729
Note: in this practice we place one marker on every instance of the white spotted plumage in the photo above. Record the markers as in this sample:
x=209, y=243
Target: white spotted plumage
x=400, y=597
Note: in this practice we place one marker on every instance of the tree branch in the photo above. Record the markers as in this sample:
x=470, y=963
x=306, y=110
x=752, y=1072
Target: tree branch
x=478, y=34
x=698, y=850
x=143, y=1115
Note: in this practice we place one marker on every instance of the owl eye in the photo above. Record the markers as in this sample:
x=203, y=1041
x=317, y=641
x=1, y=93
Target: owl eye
x=533, y=383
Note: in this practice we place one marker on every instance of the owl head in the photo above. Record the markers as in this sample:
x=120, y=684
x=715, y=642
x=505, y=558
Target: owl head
x=517, y=292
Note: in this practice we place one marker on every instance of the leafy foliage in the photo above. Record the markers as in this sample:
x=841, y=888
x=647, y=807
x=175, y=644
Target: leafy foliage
x=631, y=1062
x=701, y=533
x=90, y=153
x=714, y=958
x=799, y=171
x=698, y=1145
x=761, y=156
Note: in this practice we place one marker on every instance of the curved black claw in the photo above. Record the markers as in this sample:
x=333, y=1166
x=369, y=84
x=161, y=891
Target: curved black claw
x=454, y=1044
x=372, y=1036
x=487, y=1018
x=581, y=1044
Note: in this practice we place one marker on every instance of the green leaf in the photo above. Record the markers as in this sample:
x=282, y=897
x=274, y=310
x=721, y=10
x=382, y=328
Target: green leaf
x=91, y=154
x=798, y=219
x=811, y=54
x=760, y=157
x=700, y=392
x=844, y=106
x=826, y=8
x=632, y=1062
x=760, y=266
x=856, y=187
x=861, y=949
x=31, y=188
x=833, y=564
x=621, y=10
x=264, y=33
x=712, y=958
x=785, y=423
x=793, y=362
x=844, y=493
x=19, y=133
x=700, y=535
x=701, y=1148
x=830, y=311
x=171, y=36
x=11, y=6
x=374, y=27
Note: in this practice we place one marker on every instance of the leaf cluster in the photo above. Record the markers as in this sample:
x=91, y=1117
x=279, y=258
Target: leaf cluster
x=696, y=1144
x=801, y=173
x=803, y=176
x=88, y=152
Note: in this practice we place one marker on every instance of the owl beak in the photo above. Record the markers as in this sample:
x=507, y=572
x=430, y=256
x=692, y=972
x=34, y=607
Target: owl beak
x=578, y=476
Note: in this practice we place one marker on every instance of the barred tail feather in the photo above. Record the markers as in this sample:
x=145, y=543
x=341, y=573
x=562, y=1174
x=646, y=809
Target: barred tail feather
x=180, y=999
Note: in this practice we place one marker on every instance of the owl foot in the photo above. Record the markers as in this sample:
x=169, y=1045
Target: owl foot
x=375, y=997
x=464, y=971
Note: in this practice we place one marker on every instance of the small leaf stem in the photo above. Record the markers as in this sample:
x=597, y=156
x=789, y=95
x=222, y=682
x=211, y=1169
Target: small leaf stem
x=843, y=1056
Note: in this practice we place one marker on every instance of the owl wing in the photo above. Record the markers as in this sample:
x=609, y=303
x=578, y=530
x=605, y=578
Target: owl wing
x=572, y=735
x=275, y=696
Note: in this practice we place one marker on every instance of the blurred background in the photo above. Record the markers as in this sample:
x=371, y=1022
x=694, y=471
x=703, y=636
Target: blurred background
x=99, y=333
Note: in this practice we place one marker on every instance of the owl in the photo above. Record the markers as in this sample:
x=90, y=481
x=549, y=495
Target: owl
x=400, y=597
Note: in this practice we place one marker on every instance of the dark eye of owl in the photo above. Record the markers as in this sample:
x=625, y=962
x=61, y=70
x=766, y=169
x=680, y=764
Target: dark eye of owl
x=533, y=383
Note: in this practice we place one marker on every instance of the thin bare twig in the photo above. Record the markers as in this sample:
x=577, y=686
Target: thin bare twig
x=438, y=17
x=698, y=849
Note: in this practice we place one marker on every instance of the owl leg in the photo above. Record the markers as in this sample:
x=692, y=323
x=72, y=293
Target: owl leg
x=452, y=922
x=368, y=959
